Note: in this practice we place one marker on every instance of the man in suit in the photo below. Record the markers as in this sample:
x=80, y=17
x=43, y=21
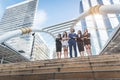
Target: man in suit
x=72, y=42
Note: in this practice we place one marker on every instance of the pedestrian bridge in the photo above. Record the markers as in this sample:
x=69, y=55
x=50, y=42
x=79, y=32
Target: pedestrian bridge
x=99, y=67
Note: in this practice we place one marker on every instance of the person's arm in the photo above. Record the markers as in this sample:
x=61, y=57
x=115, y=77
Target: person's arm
x=60, y=39
x=88, y=35
x=82, y=37
x=56, y=40
x=75, y=36
x=70, y=36
x=63, y=39
x=85, y=37
x=67, y=38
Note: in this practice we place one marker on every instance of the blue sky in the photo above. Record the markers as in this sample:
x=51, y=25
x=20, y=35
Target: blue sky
x=59, y=10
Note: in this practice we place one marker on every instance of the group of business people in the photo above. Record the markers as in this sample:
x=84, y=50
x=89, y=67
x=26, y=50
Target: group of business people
x=72, y=41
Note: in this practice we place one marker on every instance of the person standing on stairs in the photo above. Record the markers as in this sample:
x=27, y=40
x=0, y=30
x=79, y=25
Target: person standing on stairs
x=58, y=45
x=72, y=42
x=65, y=44
x=80, y=43
x=87, y=43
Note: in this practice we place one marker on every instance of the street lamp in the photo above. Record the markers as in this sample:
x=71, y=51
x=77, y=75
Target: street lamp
x=32, y=45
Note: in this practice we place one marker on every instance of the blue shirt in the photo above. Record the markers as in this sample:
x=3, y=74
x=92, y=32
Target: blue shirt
x=72, y=38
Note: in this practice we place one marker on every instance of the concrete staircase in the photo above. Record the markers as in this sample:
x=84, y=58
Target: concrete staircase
x=102, y=67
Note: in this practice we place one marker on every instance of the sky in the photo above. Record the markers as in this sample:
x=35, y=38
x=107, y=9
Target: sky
x=49, y=12
x=59, y=10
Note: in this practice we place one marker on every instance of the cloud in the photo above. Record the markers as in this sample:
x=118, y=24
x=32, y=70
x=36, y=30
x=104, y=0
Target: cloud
x=1, y=11
x=40, y=18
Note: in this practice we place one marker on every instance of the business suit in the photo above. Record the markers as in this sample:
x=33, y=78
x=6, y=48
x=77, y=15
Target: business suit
x=72, y=43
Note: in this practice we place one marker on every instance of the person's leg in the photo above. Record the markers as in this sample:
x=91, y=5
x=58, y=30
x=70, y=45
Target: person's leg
x=82, y=53
x=60, y=54
x=82, y=49
x=66, y=52
x=75, y=50
x=70, y=49
x=57, y=54
x=89, y=48
x=78, y=45
x=60, y=51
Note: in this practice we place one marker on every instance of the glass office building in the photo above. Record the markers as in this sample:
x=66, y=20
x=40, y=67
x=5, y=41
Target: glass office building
x=40, y=49
x=18, y=16
x=99, y=26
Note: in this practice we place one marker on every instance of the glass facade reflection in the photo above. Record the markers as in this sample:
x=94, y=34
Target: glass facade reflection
x=99, y=26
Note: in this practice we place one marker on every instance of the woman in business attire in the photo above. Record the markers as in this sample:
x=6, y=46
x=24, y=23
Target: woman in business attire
x=58, y=45
x=87, y=42
x=65, y=44
x=80, y=43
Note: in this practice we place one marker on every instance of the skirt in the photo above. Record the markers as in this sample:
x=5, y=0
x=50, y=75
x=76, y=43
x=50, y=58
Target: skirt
x=80, y=46
x=64, y=43
x=58, y=48
x=86, y=41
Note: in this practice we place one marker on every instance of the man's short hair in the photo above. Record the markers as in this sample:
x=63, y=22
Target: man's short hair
x=73, y=29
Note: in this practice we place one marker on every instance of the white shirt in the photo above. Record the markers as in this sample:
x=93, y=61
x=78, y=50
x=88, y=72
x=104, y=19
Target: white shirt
x=65, y=42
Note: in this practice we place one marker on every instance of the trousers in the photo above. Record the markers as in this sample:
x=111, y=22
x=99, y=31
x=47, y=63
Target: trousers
x=70, y=49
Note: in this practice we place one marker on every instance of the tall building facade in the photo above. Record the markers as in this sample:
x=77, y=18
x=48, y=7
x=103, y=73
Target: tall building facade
x=18, y=16
x=40, y=49
x=99, y=26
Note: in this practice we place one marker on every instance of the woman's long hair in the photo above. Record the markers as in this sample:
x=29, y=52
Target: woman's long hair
x=86, y=31
x=65, y=34
x=80, y=33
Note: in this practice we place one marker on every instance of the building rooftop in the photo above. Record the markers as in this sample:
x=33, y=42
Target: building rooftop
x=9, y=55
x=19, y=4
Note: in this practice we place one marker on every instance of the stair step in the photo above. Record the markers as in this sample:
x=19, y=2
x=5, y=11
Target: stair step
x=102, y=66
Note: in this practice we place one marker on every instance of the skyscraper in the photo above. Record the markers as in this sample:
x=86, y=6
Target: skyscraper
x=100, y=26
x=18, y=16
x=40, y=49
